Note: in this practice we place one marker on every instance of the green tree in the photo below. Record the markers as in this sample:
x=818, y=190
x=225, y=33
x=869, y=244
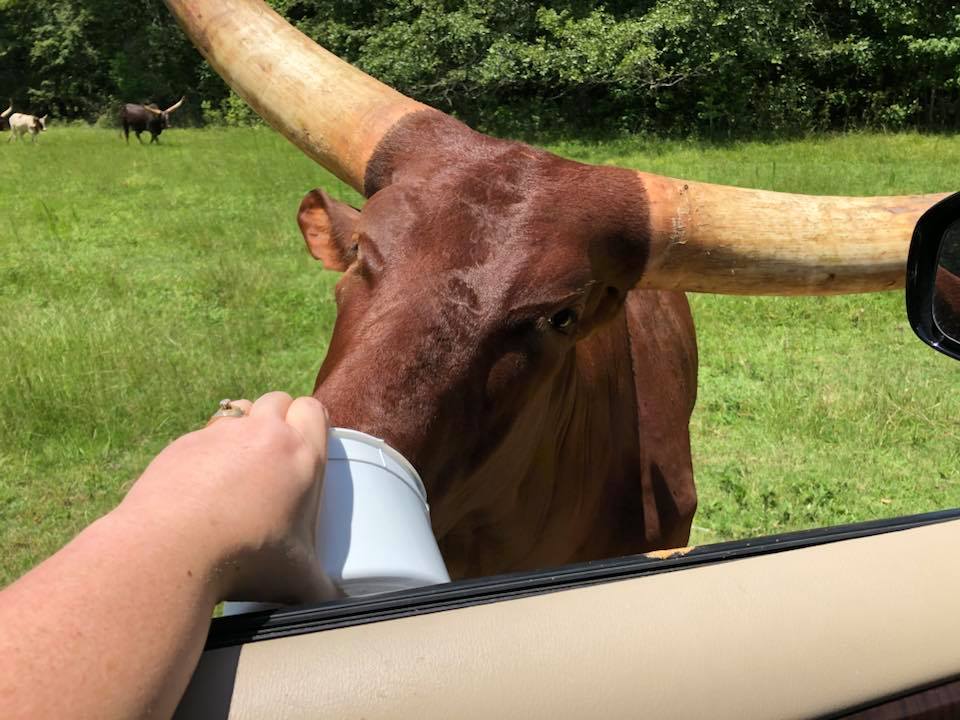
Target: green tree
x=712, y=67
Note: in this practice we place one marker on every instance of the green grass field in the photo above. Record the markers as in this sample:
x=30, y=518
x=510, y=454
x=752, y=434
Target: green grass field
x=139, y=285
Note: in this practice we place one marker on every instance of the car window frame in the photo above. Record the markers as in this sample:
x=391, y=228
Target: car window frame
x=266, y=625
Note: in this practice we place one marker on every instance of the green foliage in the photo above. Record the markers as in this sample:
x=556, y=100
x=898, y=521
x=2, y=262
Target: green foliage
x=711, y=67
x=231, y=111
x=82, y=58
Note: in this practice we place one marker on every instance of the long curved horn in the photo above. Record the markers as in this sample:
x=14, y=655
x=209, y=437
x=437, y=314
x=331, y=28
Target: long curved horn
x=706, y=238
x=154, y=110
x=721, y=239
x=6, y=112
x=333, y=112
x=176, y=105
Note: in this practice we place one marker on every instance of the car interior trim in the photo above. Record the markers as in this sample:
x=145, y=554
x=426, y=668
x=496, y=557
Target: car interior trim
x=800, y=633
x=268, y=625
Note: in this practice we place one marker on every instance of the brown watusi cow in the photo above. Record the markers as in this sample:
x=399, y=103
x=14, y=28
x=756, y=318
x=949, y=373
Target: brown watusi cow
x=4, y=122
x=146, y=117
x=510, y=320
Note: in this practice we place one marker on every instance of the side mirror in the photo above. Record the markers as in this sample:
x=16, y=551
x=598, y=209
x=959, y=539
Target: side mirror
x=933, y=277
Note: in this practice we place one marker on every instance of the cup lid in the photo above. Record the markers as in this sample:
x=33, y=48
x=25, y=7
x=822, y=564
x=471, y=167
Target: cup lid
x=356, y=446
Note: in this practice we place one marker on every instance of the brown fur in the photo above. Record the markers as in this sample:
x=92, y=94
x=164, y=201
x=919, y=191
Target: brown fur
x=539, y=443
x=946, y=302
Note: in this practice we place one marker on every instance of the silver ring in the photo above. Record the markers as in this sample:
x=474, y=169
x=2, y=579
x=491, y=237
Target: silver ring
x=227, y=410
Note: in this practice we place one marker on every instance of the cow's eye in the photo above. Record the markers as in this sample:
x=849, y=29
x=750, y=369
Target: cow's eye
x=354, y=251
x=564, y=320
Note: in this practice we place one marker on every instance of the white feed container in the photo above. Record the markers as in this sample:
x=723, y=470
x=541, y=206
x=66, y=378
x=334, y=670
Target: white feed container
x=373, y=531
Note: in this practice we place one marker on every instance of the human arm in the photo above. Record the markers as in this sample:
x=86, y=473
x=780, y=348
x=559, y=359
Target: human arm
x=112, y=625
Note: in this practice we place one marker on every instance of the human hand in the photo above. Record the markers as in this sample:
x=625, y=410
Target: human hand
x=246, y=490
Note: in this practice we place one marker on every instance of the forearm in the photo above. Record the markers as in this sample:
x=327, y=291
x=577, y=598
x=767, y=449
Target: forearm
x=110, y=625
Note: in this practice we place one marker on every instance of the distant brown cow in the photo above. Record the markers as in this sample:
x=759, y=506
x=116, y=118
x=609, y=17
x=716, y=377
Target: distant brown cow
x=146, y=117
x=496, y=322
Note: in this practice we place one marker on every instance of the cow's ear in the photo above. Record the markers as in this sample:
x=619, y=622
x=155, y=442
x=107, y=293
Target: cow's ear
x=327, y=226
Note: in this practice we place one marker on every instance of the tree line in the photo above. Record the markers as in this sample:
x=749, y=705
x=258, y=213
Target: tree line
x=707, y=67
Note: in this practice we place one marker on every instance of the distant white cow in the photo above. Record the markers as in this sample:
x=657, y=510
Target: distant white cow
x=21, y=124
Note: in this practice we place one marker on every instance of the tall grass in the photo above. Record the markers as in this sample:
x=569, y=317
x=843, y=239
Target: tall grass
x=139, y=285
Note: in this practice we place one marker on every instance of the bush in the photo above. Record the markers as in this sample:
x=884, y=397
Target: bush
x=108, y=118
x=231, y=111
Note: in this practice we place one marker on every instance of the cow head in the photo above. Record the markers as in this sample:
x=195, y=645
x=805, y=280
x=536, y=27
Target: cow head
x=527, y=253
x=163, y=116
x=477, y=264
x=39, y=124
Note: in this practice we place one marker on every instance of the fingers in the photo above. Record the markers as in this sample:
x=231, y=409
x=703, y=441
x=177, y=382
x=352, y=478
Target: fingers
x=272, y=404
x=306, y=414
x=310, y=419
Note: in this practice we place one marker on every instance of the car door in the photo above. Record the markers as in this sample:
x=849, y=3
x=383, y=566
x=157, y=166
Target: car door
x=854, y=619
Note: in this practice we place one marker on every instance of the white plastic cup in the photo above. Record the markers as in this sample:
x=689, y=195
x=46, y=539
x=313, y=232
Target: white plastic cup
x=373, y=530
x=374, y=533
